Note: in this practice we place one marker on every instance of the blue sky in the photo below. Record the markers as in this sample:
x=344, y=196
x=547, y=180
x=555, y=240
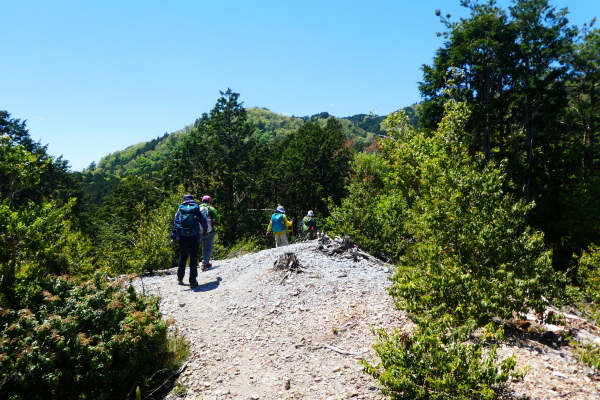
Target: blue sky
x=94, y=77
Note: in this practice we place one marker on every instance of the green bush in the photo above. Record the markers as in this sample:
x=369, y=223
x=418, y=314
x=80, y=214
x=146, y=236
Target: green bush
x=95, y=339
x=472, y=254
x=373, y=214
x=144, y=248
x=589, y=354
x=152, y=249
x=39, y=243
x=589, y=273
x=440, y=362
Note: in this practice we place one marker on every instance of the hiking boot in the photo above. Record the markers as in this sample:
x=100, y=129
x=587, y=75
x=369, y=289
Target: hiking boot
x=206, y=267
x=193, y=284
x=180, y=281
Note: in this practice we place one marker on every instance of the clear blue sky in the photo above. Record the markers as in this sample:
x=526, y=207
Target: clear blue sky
x=94, y=77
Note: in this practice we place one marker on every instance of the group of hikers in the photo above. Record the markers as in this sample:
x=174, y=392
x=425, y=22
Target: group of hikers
x=279, y=222
x=194, y=224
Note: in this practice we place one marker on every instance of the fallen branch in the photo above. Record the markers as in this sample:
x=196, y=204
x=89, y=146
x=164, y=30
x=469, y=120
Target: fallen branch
x=336, y=349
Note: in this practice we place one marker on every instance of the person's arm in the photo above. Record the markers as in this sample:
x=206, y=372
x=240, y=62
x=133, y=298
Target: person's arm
x=215, y=213
x=270, y=224
x=287, y=223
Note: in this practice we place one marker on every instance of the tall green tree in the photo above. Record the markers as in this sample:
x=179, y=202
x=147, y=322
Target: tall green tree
x=125, y=209
x=543, y=40
x=313, y=168
x=584, y=90
x=38, y=236
x=512, y=67
x=56, y=180
x=216, y=159
x=475, y=62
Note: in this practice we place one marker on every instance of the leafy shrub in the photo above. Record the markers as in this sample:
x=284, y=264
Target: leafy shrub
x=440, y=362
x=589, y=354
x=95, y=340
x=587, y=295
x=152, y=249
x=39, y=243
x=146, y=247
x=373, y=214
x=473, y=256
x=589, y=273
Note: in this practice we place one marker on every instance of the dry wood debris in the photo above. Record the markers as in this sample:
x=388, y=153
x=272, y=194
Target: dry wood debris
x=342, y=247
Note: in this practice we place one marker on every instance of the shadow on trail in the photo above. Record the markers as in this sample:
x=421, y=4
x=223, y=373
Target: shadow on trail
x=205, y=287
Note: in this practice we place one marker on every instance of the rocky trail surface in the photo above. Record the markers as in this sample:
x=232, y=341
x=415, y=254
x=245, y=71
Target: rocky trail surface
x=256, y=332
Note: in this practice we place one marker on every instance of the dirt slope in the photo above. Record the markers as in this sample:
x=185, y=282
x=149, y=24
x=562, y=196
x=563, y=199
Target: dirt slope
x=255, y=335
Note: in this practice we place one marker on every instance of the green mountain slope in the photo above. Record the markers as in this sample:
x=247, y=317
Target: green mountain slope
x=148, y=158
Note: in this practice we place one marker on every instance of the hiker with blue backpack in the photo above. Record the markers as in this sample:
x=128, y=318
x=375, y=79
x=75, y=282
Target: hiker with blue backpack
x=208, y=237
x=188, y=225
x=277, y=225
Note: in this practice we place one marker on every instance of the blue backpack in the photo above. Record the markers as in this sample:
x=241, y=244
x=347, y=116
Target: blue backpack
x=188, y=222
x=277, y=224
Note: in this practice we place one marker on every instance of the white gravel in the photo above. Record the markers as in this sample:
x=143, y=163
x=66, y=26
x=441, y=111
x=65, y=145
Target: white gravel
x=253, y=336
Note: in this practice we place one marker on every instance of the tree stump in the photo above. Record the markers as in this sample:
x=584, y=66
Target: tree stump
x=288, y=262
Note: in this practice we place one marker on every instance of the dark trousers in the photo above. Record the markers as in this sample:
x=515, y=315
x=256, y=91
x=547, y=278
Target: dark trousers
x=188, y=247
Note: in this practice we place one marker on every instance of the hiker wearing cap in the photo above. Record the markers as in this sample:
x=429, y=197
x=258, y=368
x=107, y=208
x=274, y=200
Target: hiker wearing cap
x=208, y=237
x=277, y=225
x=187, y=226
x=308, y=225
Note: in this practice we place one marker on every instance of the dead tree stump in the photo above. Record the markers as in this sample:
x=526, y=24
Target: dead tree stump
x=287, y=262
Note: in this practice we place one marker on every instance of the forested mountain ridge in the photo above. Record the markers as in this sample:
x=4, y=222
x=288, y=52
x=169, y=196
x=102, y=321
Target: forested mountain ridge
x=148, y=158
x=145, y=157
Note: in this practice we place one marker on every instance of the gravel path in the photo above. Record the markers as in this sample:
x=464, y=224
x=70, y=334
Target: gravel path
x=255, y=335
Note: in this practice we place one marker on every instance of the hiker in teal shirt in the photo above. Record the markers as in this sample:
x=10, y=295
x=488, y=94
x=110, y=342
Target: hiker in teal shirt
x=277, y=225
